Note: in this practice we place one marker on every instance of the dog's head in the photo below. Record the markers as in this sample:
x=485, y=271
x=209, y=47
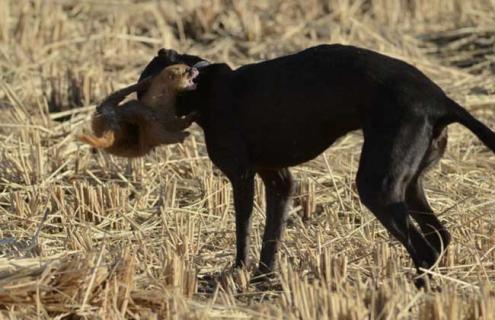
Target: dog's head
x=166, y=58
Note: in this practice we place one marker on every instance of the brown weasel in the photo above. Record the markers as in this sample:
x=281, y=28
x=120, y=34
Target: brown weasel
x=136, y=127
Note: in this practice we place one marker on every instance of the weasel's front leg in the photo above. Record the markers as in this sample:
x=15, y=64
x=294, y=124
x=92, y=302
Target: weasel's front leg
x=175, y=124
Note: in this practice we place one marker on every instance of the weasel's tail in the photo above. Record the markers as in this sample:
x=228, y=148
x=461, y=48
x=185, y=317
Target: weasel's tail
x=116, y=97
x=456, y=113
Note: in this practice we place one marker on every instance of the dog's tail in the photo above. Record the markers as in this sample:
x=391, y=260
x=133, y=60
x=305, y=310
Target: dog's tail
x=456, y=113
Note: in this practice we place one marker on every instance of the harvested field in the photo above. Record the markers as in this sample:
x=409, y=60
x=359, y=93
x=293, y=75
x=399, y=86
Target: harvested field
x=142, y=239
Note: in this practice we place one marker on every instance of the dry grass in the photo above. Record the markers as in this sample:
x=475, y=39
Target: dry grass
x=141, y=239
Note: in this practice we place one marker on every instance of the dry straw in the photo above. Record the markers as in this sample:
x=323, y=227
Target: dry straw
x=154, y=238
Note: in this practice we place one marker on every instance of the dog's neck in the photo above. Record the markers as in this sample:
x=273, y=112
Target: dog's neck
x=210, y=77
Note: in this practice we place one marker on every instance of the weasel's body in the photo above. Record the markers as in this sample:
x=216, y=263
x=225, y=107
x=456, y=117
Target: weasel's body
x=136, y=127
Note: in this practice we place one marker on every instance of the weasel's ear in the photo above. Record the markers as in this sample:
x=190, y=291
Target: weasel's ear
x=165, y=77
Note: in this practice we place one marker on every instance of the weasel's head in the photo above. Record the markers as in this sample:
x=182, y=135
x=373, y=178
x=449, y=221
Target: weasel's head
x=166, y=58
x=178, y=77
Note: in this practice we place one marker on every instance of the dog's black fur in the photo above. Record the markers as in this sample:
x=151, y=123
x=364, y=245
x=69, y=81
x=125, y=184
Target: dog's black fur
x=265, y=117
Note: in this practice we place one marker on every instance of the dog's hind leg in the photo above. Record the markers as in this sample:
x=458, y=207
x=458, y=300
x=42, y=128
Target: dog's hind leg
x=390, y=158
x=433, y=230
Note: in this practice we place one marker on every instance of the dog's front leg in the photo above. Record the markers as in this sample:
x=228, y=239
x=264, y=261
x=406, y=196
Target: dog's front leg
x=243, y=188
x=278, y=188
x=229, y=153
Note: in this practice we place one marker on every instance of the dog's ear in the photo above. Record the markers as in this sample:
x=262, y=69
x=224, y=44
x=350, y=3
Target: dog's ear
x=169, y=54
x=156, y=65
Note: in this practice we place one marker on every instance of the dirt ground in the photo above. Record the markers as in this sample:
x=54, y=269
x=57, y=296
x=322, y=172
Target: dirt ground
x=142, y=239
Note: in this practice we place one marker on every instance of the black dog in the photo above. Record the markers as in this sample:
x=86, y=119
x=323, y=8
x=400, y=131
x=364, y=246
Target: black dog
x=265, y=117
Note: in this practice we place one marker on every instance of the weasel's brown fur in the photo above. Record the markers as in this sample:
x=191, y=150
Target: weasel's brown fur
x=136, y=127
